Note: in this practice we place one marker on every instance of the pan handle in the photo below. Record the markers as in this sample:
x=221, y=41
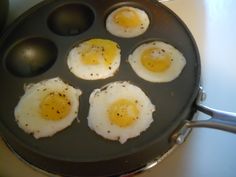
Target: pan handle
x=219, y=119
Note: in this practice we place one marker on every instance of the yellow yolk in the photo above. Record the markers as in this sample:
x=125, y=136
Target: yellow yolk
x=127, y=18
x=98, y=51
x=123, y=112
x=155, y=60
x=55, y=106
x=91, y=57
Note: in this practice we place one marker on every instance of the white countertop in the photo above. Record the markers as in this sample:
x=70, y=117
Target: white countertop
x=206, y=152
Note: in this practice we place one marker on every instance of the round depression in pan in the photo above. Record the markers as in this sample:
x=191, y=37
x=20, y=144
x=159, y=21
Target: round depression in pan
x=31, y=56
x=77, y=150
x=70, y=19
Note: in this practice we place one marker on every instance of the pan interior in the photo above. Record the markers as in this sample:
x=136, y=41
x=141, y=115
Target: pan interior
x=70, y=19
x=31, y=57
x=78, y=143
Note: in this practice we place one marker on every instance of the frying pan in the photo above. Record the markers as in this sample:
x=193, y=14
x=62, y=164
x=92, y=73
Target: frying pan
x=4, y=5
x=78, y=151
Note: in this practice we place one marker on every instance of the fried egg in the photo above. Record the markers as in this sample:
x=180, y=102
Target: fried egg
x=47, y=107
x=94, y=59
x=127, y=22
x=157, y=62
x=119, y=111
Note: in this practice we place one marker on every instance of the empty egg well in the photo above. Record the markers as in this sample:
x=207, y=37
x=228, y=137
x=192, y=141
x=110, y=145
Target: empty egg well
x=31, y=56
x=70, y=19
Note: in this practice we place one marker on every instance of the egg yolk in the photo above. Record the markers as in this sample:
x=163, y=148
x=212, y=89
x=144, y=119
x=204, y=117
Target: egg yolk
x=55, y=106
x=155, y=60
x=98, y=51
x=123, y=112
x=127, y=18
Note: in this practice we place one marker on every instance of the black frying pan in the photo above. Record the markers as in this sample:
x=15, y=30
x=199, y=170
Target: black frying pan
x=78, y=151
x=4, y=5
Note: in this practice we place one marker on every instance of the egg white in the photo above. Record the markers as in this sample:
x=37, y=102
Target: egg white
x=127, y=32
x=27, y=113
x=177, y=64
x=101, y=99
x=91, y=72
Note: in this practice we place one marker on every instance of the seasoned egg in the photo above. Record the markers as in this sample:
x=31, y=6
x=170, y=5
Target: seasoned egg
x=127, y=22
x=157, y=62
x=47, y=107
x=94, y=59
x=119, y=111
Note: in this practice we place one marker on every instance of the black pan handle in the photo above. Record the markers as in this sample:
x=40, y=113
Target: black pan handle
x=219, y=119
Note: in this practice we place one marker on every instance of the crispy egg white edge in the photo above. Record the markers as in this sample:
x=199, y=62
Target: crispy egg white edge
x=120, y=31
x=40, y=127
x=101, y=98
x=83, y=71
x=170, y=74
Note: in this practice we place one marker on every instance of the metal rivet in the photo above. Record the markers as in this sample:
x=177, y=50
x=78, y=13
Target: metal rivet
x=180, y=139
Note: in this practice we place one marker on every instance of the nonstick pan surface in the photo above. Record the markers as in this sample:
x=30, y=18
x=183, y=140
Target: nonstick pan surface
x=4, y=6
x=77, y=150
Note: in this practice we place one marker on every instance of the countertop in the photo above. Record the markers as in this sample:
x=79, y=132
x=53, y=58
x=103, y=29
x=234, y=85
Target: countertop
x=206, y=152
